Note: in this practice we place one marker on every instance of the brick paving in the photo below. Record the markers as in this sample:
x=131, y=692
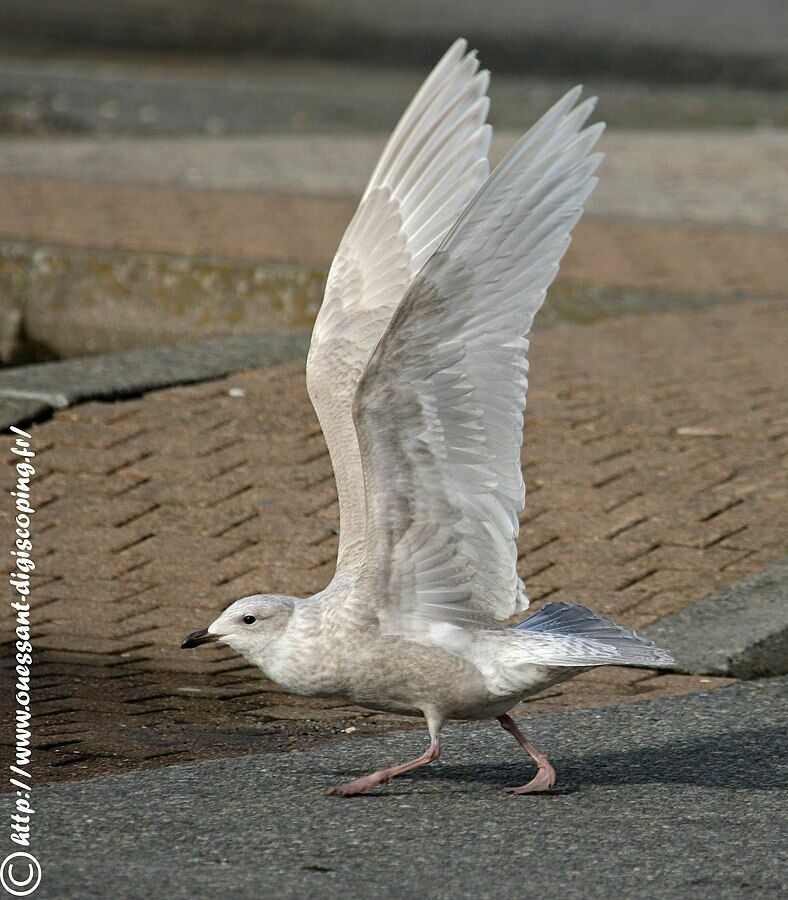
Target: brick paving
x=653, y=462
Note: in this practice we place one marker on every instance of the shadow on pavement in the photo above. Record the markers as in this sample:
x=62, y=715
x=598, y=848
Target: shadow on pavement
x=741, y=759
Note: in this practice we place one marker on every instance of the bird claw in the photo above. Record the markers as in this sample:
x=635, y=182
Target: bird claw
x=542, y=781
x=338, y=790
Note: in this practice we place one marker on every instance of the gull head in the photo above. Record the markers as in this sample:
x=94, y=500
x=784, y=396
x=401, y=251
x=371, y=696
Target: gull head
x=249, y=626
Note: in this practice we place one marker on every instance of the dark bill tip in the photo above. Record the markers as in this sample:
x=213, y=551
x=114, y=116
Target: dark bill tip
x=198, y=637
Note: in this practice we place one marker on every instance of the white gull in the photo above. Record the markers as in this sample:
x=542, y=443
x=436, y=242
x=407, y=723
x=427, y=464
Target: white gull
x=417, y=371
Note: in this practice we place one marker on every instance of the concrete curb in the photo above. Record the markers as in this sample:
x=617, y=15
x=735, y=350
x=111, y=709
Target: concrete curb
x=71, y=301
x=31, y=392
x=741, y=631
x=61, y=302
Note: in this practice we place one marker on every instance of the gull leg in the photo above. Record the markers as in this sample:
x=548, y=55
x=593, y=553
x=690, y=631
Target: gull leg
x=545, y=773
x=385, y=775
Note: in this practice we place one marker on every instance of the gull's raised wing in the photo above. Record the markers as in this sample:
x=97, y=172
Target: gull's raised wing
x=439, y=411
x=433, y=164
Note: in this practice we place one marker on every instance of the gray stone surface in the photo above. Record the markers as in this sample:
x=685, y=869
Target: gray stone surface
x=741, y=631
x=26, y=391
x=14, y=411
x=671, y=798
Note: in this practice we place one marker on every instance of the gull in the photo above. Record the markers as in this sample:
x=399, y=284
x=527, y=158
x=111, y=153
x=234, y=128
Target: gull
x=417, y=371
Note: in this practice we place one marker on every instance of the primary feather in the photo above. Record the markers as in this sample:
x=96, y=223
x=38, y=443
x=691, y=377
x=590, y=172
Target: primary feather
x=433, y=164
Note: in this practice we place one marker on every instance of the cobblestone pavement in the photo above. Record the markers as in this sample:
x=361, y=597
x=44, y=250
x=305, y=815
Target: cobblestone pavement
x=653, y=468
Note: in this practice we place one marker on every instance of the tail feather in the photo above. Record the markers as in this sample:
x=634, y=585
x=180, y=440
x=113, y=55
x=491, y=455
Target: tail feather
x=564, y=634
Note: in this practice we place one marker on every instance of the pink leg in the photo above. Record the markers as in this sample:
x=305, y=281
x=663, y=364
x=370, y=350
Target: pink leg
x=358, y=785
x=545, y=773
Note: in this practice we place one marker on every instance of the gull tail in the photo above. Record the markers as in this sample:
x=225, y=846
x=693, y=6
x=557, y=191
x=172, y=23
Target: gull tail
x=564, y=634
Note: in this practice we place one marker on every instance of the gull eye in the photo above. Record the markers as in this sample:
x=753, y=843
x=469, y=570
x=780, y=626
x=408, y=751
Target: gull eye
x=249, y=620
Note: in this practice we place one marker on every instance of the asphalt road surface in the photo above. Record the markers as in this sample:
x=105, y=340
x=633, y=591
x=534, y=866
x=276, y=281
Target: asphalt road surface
x=672, y=798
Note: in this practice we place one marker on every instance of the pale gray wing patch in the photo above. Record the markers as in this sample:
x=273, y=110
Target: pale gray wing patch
x=565, y=634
